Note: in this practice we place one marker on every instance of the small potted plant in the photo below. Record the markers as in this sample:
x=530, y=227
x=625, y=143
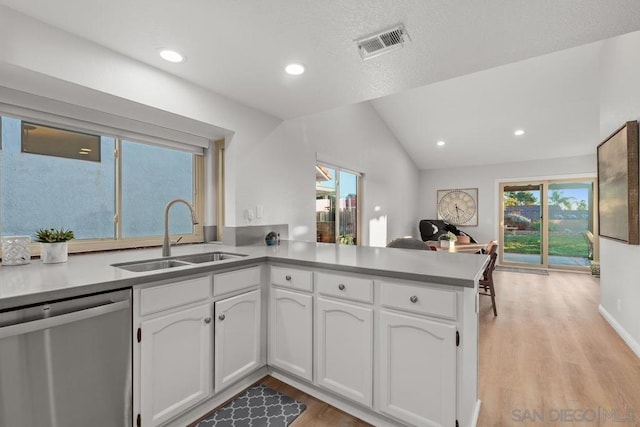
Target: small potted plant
x=448, y=240
x=54, y=248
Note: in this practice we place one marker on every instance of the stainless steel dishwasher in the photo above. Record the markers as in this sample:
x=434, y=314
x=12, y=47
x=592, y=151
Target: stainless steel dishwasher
x=67, y=363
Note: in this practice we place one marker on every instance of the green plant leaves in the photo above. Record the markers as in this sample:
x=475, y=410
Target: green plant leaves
x=53, y=235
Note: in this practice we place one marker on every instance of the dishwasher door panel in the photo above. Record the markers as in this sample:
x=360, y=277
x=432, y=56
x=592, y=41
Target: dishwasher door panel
x=22, y=378
x=73, y=374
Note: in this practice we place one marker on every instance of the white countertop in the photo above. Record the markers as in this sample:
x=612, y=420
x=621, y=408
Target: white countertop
x=88, y=273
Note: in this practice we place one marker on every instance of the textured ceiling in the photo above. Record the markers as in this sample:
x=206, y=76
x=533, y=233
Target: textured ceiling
x=239, y=48
x=554, y=98
x=473, y=73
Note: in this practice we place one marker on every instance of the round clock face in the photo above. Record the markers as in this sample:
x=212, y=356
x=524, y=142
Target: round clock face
x=457, y=207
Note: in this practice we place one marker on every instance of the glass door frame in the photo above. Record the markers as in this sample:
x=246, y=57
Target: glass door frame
x=544, y=218
x=543, y=236
x=359, y=191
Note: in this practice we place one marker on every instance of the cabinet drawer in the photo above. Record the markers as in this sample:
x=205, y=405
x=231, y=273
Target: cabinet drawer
x=235, y=280
x=436, y=302
x=353, y=288
x=164, y=297
x=292, y=278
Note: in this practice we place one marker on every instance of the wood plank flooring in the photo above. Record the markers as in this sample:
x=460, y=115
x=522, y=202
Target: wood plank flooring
x=548, y=354
x=318, y=413
x=550, y=358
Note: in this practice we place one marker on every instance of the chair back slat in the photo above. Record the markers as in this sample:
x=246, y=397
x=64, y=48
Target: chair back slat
x=486, y=283
x=492, y=251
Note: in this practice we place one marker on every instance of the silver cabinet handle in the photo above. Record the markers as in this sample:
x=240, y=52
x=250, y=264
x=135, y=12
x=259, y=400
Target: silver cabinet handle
x=413, y=299
x=207, y=320
x=341, y=287
x=222, y=317
x=287, y=278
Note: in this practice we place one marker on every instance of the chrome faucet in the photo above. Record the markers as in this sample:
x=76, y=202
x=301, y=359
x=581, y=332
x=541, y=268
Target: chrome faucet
x=166, y=245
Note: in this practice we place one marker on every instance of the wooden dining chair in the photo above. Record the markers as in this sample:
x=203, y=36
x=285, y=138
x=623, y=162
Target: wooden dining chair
x=486, y=282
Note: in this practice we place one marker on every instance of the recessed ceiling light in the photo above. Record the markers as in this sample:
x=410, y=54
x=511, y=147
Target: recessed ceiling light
x=440, y=143
x=294, y=69
x=518, y=132
x=171, y=55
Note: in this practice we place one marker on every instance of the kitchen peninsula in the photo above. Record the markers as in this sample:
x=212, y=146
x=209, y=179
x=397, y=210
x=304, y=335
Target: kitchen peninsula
x=388, y=335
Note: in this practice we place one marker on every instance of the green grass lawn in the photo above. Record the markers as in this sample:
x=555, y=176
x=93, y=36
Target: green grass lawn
x=573, y=246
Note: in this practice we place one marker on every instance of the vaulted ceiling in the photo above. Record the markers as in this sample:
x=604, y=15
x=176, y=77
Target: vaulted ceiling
x=451, y=82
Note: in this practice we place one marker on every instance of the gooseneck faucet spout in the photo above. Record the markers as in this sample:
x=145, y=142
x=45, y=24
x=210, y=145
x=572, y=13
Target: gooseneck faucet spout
x=166, y=245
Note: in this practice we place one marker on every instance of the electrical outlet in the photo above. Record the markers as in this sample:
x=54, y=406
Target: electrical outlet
x=259, y=211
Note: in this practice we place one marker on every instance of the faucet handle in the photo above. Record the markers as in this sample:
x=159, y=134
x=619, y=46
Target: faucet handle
x=179, y=238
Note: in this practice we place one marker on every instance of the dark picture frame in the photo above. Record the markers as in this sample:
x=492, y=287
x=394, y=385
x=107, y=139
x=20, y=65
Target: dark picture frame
x=618, y=185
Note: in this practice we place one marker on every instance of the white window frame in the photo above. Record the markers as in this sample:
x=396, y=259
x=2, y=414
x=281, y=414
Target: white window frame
x=360, y=176
x=120, y=242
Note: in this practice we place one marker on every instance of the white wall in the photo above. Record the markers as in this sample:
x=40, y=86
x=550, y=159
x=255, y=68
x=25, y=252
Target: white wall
x=620, y=263
x=486, y=179
x=279, y=172
x=43, y=60
x=268, y=162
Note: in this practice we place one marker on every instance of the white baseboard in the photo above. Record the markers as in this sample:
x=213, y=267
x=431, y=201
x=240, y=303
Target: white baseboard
x=476, y=414
x=626, y=337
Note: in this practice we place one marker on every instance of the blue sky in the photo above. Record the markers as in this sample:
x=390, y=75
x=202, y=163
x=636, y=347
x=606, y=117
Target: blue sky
x=348, y=182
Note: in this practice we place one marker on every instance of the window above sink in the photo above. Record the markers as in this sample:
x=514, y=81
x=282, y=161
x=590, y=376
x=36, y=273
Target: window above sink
x=109, y=190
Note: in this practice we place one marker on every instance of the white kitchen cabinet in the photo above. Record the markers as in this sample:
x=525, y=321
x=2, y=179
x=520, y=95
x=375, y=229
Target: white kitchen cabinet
x=344, y=354
x=175, y=352
x=291, y=332
x=237, y=338
x=417, y=370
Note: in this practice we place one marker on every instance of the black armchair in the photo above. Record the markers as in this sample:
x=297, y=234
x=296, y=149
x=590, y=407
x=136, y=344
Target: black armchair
x=432, y=229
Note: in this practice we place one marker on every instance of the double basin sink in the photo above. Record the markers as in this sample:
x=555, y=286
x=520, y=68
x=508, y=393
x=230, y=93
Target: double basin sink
x=178, y=261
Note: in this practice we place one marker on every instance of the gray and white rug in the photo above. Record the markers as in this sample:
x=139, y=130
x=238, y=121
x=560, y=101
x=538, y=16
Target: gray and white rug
x=259, y=406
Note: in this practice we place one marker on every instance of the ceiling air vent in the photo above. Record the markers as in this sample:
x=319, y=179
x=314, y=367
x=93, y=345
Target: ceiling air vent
x=383, y=42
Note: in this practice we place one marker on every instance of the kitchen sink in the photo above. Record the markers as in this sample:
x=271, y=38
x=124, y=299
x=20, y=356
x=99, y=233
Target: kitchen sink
x=179, y=261
x=209, y=257
x=140, y=266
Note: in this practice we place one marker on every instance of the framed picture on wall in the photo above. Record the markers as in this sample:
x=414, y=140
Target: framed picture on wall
x=618, y=185
x=458, y=206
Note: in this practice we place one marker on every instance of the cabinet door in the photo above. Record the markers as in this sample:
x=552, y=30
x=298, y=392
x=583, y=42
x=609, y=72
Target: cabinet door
x=417, y=370
x=345, y=349
x=175, y=370
x=291, y=332
x=237, y=338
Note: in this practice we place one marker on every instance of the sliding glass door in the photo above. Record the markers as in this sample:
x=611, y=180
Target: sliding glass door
x=326, y=186
x=570, y=225
x=522, y=215
x=337, y=215
x=548, y=224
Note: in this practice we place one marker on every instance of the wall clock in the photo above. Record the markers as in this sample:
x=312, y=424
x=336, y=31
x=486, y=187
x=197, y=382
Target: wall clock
x=458, y=206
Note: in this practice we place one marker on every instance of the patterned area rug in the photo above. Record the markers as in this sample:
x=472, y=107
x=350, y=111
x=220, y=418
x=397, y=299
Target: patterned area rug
x=523, y=270
x=259, y=406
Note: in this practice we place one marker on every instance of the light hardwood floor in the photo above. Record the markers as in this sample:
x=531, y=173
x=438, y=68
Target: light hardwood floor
x=550, y=352
x=318, y=413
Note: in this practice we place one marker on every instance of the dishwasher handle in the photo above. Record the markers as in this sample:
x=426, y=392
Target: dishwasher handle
x=63, y=319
